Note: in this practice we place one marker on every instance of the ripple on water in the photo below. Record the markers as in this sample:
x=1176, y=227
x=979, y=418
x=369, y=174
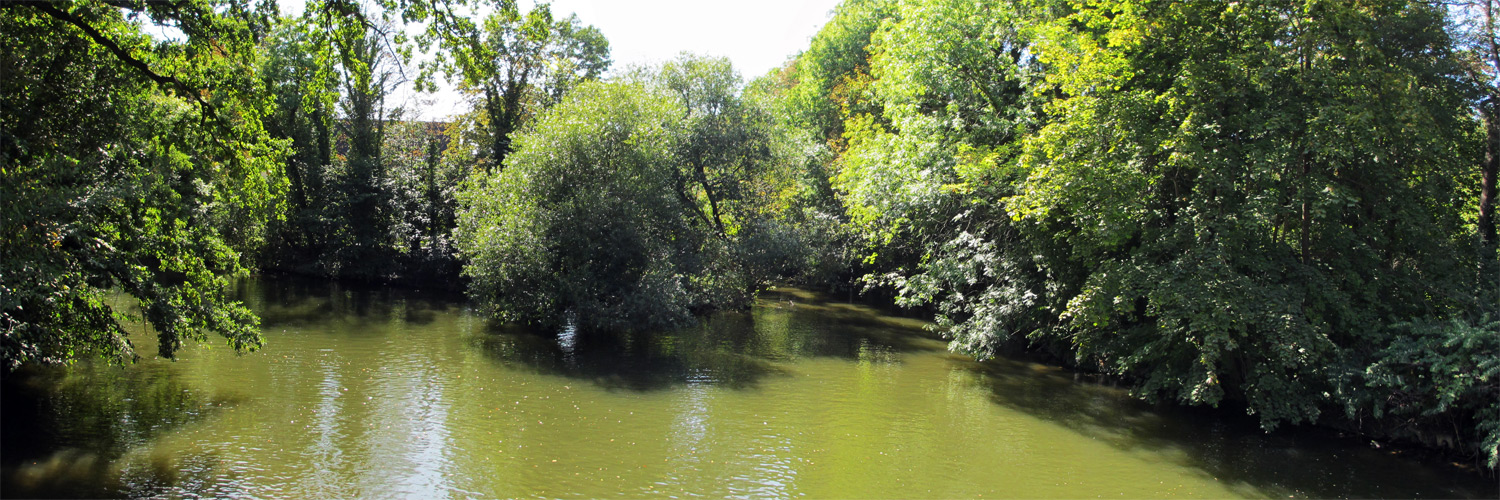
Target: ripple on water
x=363, y=393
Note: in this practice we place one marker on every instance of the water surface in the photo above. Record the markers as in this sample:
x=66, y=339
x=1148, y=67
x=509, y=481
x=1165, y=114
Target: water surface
x=380, y=393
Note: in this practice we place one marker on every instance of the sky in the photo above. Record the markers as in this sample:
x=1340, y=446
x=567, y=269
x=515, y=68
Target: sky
x=756, y=36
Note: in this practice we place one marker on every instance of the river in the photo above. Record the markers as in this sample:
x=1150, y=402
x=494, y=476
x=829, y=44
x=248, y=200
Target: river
x=387, y=393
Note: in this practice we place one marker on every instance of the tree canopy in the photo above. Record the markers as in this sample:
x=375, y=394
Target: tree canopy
x=1264, y=202
x=128, y=166
x=1284, y=205
x=631, y=204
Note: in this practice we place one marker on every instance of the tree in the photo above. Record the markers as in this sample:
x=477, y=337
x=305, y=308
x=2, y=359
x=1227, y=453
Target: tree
x=332, y=70
x=515, y=64
x=304, y=115
x=926, y=182
x=1243, y=190
x=1475, y=22
x=830, y=79
x=1252, y=201
x=423, y=182
x=631, y=205
x=585, y=221
x=128, y=166
x=363, y=247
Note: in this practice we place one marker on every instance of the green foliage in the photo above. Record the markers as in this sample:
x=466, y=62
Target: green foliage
x=1239, y=190
x=372, y=196
x=926, y=190
x=130, y=167
x=1216, y=200
x=1434, y=368
x=584, y=219
x=304, y=116
x=515, y=64
x=1272, y=202
x=632, y=204
x=423, y=184
x=829, y=81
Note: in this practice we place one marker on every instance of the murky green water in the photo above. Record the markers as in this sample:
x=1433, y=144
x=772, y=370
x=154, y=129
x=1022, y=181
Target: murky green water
x=399, y=394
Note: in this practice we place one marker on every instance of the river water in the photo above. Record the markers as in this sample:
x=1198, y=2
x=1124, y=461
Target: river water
x=382, y=393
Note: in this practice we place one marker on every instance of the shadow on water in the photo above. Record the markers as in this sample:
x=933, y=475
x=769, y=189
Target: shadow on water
x=67, y=427
x=737, y=350
x=88, y=430
x=295, y=301
x=629, y=361
x=1226, y=445
x=730, y=349
x=74, y=431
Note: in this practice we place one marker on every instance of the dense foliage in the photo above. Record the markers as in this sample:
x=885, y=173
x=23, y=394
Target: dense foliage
x=1266, y=202
x=127, y=167
x=632, y=204
x=1285, y=205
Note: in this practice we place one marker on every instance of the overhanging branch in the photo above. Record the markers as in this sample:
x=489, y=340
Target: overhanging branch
x=124, y=55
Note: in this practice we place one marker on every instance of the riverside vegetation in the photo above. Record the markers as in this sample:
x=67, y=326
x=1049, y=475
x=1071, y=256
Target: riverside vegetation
x=1283, y=205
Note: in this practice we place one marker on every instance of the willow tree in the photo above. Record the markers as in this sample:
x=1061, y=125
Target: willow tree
x=584, y=220
x=632, y=204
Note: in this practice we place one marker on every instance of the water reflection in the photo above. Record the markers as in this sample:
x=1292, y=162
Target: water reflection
x=368, y=392
x=1226, y=446
x=409, y=455
x=288, y=301
x=326, y=452
x=637, y=361
x=65, y=428
x=732, y=350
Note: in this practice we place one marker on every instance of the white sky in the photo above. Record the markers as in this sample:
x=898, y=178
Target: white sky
x=756, y=36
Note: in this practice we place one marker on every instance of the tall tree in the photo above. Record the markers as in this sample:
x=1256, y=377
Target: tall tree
x=1475, y=22
x=926, y=182
x=514, y=63
x=304, y=116
x=830, y=80
x=366, y=76
x=332, y=70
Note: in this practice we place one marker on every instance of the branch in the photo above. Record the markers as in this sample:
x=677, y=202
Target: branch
x=124, y=55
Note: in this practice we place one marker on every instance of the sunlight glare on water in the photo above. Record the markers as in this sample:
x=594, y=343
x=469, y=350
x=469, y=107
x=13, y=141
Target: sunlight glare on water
x=365, y=393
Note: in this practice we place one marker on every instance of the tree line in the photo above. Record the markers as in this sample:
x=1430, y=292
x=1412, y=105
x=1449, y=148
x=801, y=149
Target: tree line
x=1282, y=205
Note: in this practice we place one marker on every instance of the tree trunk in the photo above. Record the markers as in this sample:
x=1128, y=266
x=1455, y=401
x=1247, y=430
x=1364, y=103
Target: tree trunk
x=325, y=138
x=1306, y=213
x=1492, y=132
x=295, y=166
x=1487, y=175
